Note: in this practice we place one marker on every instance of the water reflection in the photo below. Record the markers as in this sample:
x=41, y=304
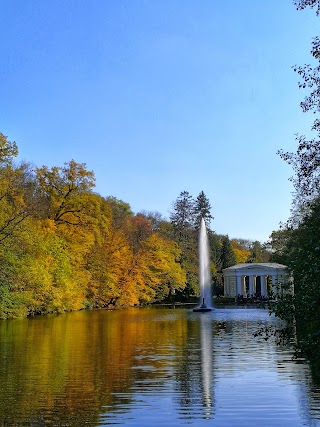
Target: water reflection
x=206, y=364
x=194, y=371
x=150, y=366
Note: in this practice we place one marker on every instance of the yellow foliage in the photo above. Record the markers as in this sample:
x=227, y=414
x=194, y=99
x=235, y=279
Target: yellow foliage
x=241, y=254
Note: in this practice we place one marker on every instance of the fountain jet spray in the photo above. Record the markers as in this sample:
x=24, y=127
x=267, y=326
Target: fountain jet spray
x=204, y=270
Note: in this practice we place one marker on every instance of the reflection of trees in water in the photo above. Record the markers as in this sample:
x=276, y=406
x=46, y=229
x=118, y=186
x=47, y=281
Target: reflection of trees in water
x=314, y=388
x=308, y=385
x=67, y=370
x=189, y=371
x=41, y=382
x=69, y=367
x=248, y=352
x=315, y=371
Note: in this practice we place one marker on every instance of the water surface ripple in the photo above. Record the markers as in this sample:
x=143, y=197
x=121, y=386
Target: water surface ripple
x=151, y=367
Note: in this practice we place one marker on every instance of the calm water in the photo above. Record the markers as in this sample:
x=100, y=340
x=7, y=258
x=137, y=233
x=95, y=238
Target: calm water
x=151, y=367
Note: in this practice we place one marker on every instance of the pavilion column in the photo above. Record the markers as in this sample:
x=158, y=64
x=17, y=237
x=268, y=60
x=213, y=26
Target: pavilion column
x=250, y=285
x=228, y=288
x=263, y=285
x=254, y=287
x=233, y=287
x=243, y=286
x=238, y=285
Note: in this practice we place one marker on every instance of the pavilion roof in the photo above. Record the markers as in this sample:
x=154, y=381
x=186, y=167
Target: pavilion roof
x=253, y=265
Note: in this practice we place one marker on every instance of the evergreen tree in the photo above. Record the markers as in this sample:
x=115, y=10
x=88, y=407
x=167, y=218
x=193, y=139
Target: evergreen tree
x=202, y=209
x=182, y=219
x=182, y=216
x=227, y=255
x=216, y=267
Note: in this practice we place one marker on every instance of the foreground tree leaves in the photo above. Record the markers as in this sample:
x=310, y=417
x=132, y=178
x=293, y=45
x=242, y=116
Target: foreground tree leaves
x=297, y=242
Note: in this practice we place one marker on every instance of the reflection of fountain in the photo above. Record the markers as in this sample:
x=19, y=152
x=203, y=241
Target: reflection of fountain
x=206, y=365
x=204, y=270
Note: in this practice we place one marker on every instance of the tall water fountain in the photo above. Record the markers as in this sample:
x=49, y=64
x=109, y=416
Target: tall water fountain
x=204, y=270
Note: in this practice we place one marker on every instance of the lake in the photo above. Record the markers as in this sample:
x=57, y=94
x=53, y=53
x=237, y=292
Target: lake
x=151, y=367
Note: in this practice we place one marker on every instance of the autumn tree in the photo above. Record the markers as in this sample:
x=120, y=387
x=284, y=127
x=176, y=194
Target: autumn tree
x=16, y=189
x=162, y=271
x=63, y=192
x=108, y=256
x=155, y=219
x=241, y=251
x=8, y=151
x=64, y=247
x=120, y=211
x=154, y=270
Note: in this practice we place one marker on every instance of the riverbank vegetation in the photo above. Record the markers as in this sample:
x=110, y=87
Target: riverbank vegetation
x=297, y=243
x=64, y=247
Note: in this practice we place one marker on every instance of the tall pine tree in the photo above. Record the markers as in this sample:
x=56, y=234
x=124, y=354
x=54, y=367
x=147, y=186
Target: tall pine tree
x=202, y=209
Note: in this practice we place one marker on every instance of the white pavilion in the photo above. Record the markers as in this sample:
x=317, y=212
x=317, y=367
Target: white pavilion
x=255, y=279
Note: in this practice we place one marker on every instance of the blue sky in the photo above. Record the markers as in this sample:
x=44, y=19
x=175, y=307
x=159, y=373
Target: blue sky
x=161, y=96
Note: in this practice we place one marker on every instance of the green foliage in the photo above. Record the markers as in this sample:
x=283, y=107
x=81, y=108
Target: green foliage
x=297, y=243
x=12, y=304
x=182, y=216
x=279, y=242
x=301, y=310
x=184, y=233
x=227, y=254
x=306, y=160
x=304, y=262
x=258, y=253
x=222, y=256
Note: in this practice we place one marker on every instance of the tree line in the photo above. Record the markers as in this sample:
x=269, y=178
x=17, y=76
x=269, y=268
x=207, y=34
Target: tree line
x=64, y=247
